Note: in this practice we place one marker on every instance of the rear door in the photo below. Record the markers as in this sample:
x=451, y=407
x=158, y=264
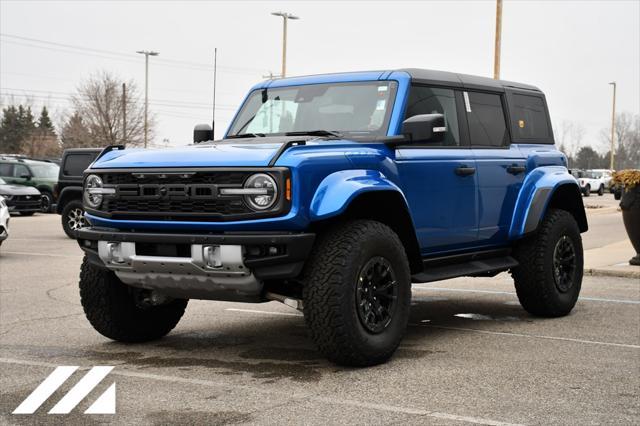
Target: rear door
x=501, y=166
x=439, y=179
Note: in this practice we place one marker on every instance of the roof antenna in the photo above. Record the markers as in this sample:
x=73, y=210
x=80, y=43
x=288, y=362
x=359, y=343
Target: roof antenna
x=213, y=118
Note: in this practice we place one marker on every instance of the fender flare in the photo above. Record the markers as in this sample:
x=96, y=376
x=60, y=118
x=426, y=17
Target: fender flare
x=537, y=191
x=337, y=190
x=66, y=193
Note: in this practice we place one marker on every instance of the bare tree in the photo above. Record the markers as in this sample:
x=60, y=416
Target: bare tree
x=74, y=133
x=99, y=102
x=627, y=133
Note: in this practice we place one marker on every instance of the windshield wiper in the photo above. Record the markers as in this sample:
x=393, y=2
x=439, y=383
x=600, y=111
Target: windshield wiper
x=246, y=135
x=315, y=133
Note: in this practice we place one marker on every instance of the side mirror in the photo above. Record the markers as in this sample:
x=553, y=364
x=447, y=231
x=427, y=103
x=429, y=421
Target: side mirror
x=202, y=133
x=424, y=128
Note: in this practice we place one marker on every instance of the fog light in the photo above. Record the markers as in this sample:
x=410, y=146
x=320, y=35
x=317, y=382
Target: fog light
x=211, y=256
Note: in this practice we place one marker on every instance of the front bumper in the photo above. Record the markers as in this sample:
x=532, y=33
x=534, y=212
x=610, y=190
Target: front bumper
x=25, y=206
x=198, y=266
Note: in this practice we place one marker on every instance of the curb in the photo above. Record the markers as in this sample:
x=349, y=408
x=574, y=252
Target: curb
x=612, y=273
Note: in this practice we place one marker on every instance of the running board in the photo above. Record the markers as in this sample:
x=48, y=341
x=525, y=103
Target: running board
x=477, y=264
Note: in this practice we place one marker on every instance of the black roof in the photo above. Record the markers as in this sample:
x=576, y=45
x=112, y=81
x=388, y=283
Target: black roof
x=462, y=80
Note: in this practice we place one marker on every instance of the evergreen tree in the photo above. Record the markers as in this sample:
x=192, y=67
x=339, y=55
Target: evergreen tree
x=75, y=133
x=45, y=126
x=12, y=129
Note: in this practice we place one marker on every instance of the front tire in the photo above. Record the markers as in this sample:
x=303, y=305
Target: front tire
x=73, y=218
x=357, y=293
x=601, y=191
x=116, y=311
x=587, y=191
x=549, y=276
x=47, y=202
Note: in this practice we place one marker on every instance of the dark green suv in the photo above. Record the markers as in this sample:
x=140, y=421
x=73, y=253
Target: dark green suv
x=42, y=175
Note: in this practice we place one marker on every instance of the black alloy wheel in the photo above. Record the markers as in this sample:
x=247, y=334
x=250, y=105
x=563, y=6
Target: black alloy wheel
x=564, y=264
x=376, y=292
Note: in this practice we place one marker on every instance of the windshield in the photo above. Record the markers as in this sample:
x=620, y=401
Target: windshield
x=45, y=170
x=361, y=108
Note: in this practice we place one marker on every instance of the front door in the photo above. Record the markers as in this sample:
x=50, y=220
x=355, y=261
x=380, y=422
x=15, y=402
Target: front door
x=439, y=179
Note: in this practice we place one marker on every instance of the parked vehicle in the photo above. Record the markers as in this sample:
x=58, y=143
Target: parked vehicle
x=25, y=200
x=591, y=181
x=42, y=175
x=607, y=177
x=69, y=188
x=332, y=194
x=4, y=220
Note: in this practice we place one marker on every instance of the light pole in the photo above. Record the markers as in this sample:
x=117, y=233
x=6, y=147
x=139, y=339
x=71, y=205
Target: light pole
x=285, y=17
x=146, y=54
x=496, y=53
x=613, y=124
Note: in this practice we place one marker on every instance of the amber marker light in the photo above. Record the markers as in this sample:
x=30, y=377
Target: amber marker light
x=287, y=192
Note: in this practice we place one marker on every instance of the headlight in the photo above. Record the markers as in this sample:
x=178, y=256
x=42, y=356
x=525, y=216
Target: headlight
x=261, y=191
x=93, y=191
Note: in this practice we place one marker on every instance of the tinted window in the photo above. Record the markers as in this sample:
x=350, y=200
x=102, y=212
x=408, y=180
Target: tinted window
x=530, y=117
x=20, y=170
x=6, y=169
x=75, y=164
x=487, y=126
x=428, y=100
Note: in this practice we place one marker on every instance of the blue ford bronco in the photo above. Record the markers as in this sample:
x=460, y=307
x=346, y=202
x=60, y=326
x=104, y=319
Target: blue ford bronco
x=332, y=194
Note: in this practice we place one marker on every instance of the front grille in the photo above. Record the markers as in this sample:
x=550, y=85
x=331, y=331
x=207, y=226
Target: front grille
x=129, y=202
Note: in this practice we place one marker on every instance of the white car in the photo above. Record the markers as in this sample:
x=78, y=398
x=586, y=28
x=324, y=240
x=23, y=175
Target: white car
x=4, y=220
x=592, y=181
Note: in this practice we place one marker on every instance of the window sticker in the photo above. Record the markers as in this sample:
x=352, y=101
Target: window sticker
x=383, y=88
x=521, y=124
x=380, y=105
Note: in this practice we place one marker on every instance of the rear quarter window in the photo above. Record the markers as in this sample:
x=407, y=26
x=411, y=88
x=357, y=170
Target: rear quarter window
x=529, y=118
x=75, y=164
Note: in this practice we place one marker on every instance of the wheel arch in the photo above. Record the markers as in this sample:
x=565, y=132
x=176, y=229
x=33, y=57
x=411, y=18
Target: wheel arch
x=66, y=195
x=544, y=188
x=395, y=214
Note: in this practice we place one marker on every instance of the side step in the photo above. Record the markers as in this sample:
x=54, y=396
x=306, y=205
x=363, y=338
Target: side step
x=487, y=263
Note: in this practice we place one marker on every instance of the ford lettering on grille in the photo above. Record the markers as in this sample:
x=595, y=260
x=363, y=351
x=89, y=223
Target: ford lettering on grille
x=175, y=191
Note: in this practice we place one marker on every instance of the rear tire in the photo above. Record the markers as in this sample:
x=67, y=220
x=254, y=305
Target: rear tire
x=549, y=276
x=115, y=311
x=73, y=218
x=357, y=293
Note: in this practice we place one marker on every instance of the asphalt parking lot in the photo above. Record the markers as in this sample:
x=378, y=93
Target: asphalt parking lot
x=471, y=355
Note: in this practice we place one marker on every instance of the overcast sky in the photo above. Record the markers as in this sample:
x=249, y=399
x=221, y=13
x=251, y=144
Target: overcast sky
x=570, y=49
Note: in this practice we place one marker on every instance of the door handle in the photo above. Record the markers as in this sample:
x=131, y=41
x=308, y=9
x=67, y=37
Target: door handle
x=465, y=170
x=514, y=169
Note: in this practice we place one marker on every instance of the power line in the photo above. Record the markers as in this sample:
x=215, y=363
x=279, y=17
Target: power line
x=109, y=54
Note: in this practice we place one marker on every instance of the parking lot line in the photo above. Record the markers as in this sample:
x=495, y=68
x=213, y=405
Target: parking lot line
x=535, y=336
x=298, y=395
x=511, y=293
x=255, y=311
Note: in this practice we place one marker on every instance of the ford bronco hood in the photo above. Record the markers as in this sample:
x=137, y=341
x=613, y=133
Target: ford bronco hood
x=250, y=152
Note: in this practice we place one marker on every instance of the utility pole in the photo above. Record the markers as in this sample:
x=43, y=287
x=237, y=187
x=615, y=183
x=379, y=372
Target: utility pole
x=285, y=17
x=613, y=126
x=124, y=114
x=496, y=56
x=213, y=114
x=146, y=54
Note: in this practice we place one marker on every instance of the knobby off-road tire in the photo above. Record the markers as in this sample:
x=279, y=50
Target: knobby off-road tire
x=549, y=276
x=111, y=308
x=337, y=280
x=73, y=215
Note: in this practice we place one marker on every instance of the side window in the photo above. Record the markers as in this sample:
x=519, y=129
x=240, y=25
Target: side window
x=530, y=117
x=6, y=169
x=431, y=100
x=75, y=164
x=487, y=125
x=20, y=170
